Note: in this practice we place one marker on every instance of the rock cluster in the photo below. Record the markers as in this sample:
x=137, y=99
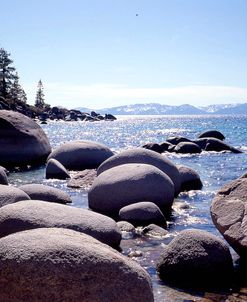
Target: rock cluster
x=211, y=140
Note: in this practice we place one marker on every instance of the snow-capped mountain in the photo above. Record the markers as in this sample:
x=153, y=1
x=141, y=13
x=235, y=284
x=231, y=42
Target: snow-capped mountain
x=159, y=109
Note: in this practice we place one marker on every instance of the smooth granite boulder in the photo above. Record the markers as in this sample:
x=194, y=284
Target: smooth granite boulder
x=11, y=195
x=228, y=211
x=165, y=146
x=212, y=133
x=3, y=176
x=214, y=144
x=177, y=139
x=154, y=147
x=23, y=141
x=64, y=265
x=190, y=179
x=46, y=193
x=126, y=184
x=144, y=156
x=80, y=155
x=201, y=142
x=196, y=259
x=125, y=226
x=55, y=169
x=154, y=230
x=31, y=214
x=142, y=214
x=187, y=147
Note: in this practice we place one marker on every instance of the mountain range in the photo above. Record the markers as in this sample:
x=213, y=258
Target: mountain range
x=158, y=109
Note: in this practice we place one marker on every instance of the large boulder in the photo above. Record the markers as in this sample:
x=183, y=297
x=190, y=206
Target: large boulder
x=3, y=176
x=46, y=193
x=214, y=144
x=190, y=179
x=64, y=265
x=212, y=133
x=187, y=147
x=80, y=155
x=24, y=141
x=228, y=211
x=55, y=169
x=154, y=147
x=144, y=156
x=11, y=195
x=142, y=214
x=196, y=259
x=31, y=214
x=126, y=184
x=174, y=140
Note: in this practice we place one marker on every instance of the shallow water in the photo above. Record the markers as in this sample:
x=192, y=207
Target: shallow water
x=215, y=170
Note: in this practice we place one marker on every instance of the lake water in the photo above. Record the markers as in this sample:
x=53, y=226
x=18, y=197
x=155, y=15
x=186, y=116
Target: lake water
x=215, y=169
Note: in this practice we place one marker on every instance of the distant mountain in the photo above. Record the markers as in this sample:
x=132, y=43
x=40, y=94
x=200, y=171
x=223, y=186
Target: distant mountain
x=158, y=109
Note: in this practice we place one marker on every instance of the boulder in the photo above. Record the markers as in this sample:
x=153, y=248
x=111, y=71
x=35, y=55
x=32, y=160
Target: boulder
x=214, y=144
x=3, y=176
x=80, y=155
x=177, y=139
x=196, y=259
x=83, y=179
x=212, y=133
x=187, y=147
x=46, y=193
x=228, y=211
x=64, y=265
x=125, y=226
x=144, y=156
x=55, y=169
x=31, y=214
x=190, y=179
x=126, y=184
x=11, y=195
x=142, y=214
x=201, y=142
x=24, y=141
x=154, y=230
x=154, y=147
x=165, y=146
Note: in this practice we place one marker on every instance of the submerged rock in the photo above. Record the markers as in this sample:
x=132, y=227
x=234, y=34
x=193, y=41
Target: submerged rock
x=144, y=156
x=190, y=179
x=154, y=230
x=80, y=155
x=46, y=193
x=214, y=144
x=196, y=259
x=83, y=179
x=24, y=141
x=26, y=215
x=177, y=139
x=68, y=266
x=126, y=184
x=187, y=147
x=154, y=147
x=11, y=195
x=212, y=133
x=55, y=169
x=228, y=211
x=142, y=214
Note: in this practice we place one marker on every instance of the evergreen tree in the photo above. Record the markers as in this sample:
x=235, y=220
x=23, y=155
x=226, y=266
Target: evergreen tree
x=40, y=97
x=17, y=93
x=7, y=73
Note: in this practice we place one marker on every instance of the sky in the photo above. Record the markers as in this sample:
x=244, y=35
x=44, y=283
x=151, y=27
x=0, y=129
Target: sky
x=106, y=53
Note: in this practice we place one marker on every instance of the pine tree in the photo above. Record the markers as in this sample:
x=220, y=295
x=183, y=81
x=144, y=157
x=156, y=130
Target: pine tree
x=7, y=73
x=40, y=97
x=17, y=93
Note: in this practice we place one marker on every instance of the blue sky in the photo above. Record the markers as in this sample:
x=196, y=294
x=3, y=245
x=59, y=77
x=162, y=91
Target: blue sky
x=98, y=53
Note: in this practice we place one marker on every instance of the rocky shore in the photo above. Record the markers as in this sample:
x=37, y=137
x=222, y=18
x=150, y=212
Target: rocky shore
x=52, y=113
x=49, y=249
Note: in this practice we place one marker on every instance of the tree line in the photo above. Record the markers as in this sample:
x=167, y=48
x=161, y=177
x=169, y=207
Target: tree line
x=10, y=87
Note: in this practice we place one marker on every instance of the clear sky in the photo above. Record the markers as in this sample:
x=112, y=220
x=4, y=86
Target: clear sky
x=103, y=53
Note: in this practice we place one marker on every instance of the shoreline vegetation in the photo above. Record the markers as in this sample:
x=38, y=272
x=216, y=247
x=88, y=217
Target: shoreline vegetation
x=13, y=97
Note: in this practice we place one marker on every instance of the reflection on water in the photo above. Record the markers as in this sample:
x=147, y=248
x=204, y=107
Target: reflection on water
x=190, y=210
